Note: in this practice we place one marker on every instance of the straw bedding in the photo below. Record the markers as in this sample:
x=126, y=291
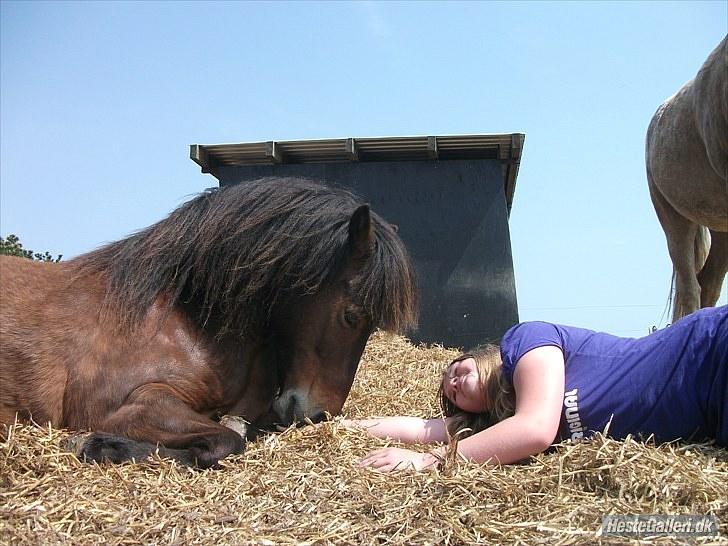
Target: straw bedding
x=303, y=485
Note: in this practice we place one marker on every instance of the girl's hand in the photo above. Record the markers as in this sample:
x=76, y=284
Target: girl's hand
x=393, y=459
x=350, y=424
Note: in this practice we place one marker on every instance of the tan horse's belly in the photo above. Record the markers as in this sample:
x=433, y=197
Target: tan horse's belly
x=710, y=213
x=680, y=169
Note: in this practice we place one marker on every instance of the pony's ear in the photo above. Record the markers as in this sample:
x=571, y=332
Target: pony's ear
x=361, y=235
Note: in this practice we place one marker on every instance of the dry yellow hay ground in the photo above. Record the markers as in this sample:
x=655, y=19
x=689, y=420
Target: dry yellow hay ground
x=303, y=486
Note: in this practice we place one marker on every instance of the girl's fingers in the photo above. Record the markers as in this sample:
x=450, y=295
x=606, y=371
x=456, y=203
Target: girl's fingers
x=381, y=465
x=374, y=459
x=374, y=454
x=384, y=460
x=392, y=459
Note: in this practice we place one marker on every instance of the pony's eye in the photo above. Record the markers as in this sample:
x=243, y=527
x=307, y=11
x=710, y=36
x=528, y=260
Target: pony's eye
x=351, y=318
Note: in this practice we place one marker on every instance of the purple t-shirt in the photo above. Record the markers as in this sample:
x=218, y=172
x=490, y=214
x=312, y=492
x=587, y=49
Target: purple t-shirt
x=672, y=383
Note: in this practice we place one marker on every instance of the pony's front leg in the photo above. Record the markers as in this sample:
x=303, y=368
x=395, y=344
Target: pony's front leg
x=155, y=419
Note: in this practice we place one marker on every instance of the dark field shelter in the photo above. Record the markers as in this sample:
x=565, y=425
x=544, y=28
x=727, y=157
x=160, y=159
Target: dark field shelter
x=450, y=196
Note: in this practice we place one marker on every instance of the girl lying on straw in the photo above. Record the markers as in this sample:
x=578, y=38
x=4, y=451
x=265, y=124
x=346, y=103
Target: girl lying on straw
x=548, y=383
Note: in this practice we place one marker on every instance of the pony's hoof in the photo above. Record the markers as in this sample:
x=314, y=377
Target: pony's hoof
x=236, y=424
x=102, y=447
x=75, y=443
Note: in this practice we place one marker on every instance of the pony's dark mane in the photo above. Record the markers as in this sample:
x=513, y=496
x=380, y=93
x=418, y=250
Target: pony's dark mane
x=232, y=254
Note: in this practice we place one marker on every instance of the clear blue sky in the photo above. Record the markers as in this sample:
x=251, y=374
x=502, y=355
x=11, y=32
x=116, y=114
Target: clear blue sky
x=100, y=101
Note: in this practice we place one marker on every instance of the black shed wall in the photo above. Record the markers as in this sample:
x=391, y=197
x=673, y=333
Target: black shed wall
x=453, y=217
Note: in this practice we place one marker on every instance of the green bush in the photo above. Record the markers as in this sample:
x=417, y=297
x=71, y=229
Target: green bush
x=13, y=247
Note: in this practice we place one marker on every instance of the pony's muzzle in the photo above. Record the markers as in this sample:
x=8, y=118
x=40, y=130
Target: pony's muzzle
x=293, y=407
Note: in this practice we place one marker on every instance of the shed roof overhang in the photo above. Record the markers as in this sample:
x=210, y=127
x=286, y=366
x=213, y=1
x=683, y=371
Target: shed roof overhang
x=506, y=147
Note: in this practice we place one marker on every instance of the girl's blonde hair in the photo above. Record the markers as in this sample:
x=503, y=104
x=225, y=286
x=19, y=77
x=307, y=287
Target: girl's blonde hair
x=500, y=399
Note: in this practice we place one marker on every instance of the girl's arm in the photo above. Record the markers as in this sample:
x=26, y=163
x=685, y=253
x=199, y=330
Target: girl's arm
x=538, y=382
x=409, y=430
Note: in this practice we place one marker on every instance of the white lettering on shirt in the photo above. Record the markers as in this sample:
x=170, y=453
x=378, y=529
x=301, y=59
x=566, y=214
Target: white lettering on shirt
x=571, y=405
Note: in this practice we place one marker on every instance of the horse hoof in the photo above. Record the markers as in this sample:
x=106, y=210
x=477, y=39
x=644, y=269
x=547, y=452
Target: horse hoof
x=102, y=447
x=236, y=424
x=75, y=443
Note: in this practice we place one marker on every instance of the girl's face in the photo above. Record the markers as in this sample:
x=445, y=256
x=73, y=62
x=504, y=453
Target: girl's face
x=462, y=386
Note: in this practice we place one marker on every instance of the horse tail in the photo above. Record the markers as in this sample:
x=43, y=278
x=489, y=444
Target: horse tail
x=670, y=308
x=671, y=304
x=701, y=248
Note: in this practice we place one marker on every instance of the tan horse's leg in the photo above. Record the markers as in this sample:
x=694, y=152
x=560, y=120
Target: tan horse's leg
x=715, y=268
x=155, y=415
x=681, y=235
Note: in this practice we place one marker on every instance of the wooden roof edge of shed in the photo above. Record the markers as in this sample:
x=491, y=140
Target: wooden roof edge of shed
x=504, y=146
x=199, y=156
x=512, y=168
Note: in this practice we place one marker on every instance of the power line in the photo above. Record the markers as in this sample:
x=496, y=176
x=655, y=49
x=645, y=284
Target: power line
x=582, y=307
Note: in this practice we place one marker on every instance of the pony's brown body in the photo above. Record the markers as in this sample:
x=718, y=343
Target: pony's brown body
x=687, y=174
x=84, y=371
x=162, y=370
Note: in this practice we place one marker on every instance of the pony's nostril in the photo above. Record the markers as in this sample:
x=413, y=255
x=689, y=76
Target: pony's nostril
x=317, y=416
x=283, y=409
x=293, y=407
